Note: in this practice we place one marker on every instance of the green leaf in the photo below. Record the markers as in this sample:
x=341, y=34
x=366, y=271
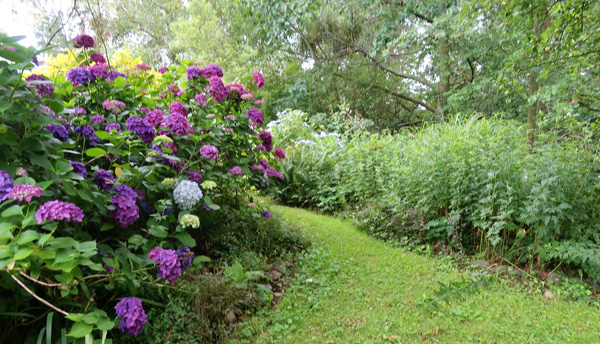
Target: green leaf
x=41, y=161
x=63, y=167
x=119, y=82
x=106, y=226
x=105, y=324
x=45, y=185
x=186, y=239
x=80, y=330
x=95, y=152
x=158, y=231
x=23, y=253
x=86, y=246
x=27, y=237
x=65, y=255
x=103, y=135
x=200, y=261
x=12, y=211
x=49, y=328
x=5, y=231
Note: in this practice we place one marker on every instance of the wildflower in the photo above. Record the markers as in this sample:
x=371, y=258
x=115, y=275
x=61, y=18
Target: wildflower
x=57, y=211
x=80, y=75
x=236, y=170
x=169, y=264
x=185, y=258
x=187, y=194
x=79, y=168
x=189, y=220
x=132, y=315
x=42, y=89
x=6, y=184
x=104, y=179
x=209, y=152
x=256, y=117
x=259, y=80
x=155, y=117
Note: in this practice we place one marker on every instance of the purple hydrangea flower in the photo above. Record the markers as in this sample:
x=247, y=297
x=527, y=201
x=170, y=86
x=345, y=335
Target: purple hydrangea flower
x=256, y=116
x=88, y=132
x=114, y=106
x=112, y=126
x=42, y=90
x=193, y=72
x=209, y=152
x=99, y=71
x=79, y=111
x=211, y=70
x=145, y=110
x=201, y=100
x=57, y=211
x=155, y=117
x=104, y=179
x=178, y=124
x=230, y=117
x=126, y=211
x=279, y=154
x=259, y=80
x=98, y=58
x=58, y=131
x=170, y=266
x=217, y=90
x=259, y=167
x=162, y=70
x=267, y=214
x=6, y=184
x=267, y=139
x=132, y=315
x=247, y=96
x=140, y=194
x=83, y=41
x=260, y=148
x=185, y=258
x=25, y=192
x=125, y=190
x=143, y=67
x=79, y=168
x=195, y=177
x=236, y=170
x=99, y=119
x=259, y=102
x=80, y=75
x=177, y=107
x=274, y=173
x=235, y=89
x=114, y=74
x=141, y=127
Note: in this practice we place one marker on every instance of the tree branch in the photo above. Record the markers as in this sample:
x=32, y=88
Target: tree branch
x=65, y=313
x=397, y=73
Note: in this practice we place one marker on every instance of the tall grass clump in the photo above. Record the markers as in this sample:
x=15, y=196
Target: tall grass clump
x=480, y=183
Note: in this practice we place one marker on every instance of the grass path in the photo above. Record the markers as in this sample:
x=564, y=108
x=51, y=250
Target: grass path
x=361, y=290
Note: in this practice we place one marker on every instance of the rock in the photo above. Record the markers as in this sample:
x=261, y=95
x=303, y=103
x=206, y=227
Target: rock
x=548, y=294
x=230, y=316
x=481, y=263
x=554, y=278
x=279, y=268
x=499, y=268
x=516, y=272
x=275, y=275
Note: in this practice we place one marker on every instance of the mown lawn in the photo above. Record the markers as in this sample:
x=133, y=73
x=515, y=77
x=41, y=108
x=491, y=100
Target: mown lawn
x=356, y=289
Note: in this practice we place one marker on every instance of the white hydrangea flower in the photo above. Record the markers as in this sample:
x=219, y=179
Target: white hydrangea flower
x=190, y=220
x=187, y=194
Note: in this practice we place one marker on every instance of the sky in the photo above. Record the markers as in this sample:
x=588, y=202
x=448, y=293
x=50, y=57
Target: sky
x=15, y=20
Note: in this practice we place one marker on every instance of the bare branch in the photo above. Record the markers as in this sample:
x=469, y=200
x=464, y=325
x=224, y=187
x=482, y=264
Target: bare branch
x=19, y=282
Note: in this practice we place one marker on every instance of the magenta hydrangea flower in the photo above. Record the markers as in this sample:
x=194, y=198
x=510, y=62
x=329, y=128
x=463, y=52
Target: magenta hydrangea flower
x=114, y=74
x=259, y=80
x=211, y=70
x=79, y=111
x=193, y=72
x=98, y=71
x=80, y=75
x=112, y=126
x=126, y=211
x=170, y=266
x=217, y=90
x=256, y=116
x=258, y=167
x=162, y=70
x=201, y=100
x=247, y=96
x=177, y=107
x=259, y=102
x=236, y=170
x=274, y=173
x=132, y=315
x=267, y=139
x=57, y=211
x=267, y=214
x=6, y=184
x=155, y=117
x=43, y=90
x=142, y=128
x=114, y=106
x=98, y=119
x=279, y=154
x=104, y=179
x=235, y=90
x=25, y=192
x=83, y=41
x=98, y=58
x=143, y=67
x=209, y=152
x=21, y=172
x=79, y=168
x=178, y=124
x=195, y=177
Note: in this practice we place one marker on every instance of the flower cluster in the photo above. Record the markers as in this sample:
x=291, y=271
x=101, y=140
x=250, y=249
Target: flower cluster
x=44, y=89
x=169, y=264
x=187, y=194
x=267, y=214
x=247, y=96
x=25, y=192
x=211, y=70
x=58, y=131
x=115, y=74
x=143, y=67
x=113, y=126
x=236, y=170
x=99, y=71
x=132, y=315
x=79, y=111
x=104, y=179
x=126, y=211
x=217, y=90
x=57, y=210
x=98, y=58
x=279, y=154
x=87, y=131
x=195, y=177
x=155, y=117
x=259, y=80
x=163, y=70
x=79, y=168
x=189, y=220
x=99, y=119
x=142, y=128
x=83, y=41
x=178, y=124
x=267, y=139
x=6, y=184
x=256, y=116
x=114, y=106
x=193, y=72
x=185, y=258
x=274, y=173
x=201, y=100
x=80, y=75
x=209, y=152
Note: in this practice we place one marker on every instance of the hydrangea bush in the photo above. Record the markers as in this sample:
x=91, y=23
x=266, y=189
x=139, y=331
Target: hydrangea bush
x=105, y=178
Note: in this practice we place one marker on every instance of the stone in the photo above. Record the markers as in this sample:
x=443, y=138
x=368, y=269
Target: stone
x=516, y=272
x=499, y=268
x=275, y=275
x=230, y=316
x=481, y=263
x=554, y=278
x=279, y=268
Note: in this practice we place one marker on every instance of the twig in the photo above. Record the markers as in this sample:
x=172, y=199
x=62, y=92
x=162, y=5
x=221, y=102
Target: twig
x=65, y=313
x=38, y=281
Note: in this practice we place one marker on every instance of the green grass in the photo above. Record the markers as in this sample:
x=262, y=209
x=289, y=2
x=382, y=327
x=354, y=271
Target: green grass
x=366, y=291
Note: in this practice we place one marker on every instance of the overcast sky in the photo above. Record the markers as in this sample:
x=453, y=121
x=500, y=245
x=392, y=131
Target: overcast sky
x=15, y=20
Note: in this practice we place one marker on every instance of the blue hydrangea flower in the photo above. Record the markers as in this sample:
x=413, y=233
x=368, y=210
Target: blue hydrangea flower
x=187, y=194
